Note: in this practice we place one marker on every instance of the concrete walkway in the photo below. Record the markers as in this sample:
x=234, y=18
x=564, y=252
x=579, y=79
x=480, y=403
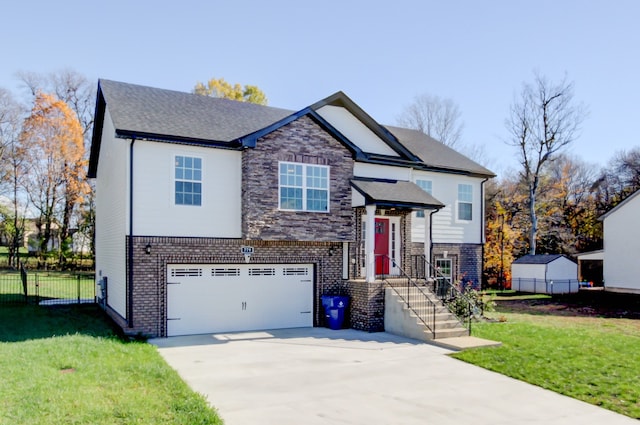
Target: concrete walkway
x=320, y=376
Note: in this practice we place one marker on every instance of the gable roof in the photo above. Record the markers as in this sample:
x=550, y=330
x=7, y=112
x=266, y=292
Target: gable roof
x=141, y=112
x=176, y=115
x=394, y=193
x=436, y=155
x=540, y=259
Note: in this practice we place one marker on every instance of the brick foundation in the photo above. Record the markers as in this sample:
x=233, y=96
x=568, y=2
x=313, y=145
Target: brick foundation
x=466, y=260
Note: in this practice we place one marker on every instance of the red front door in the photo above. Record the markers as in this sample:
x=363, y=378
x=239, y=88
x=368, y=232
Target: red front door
x=381, y=249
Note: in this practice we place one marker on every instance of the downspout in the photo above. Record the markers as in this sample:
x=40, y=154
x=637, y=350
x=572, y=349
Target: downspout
x=130, y=244
x=482, y=229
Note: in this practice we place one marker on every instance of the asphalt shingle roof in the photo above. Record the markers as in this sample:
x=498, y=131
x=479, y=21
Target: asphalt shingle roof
x=172, y=115
x=539, y=258
x=168, y=113
x=436, y=154
x=395, y=192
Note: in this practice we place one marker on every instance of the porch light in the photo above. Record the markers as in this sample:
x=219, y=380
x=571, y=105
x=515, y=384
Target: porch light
x=147, y=249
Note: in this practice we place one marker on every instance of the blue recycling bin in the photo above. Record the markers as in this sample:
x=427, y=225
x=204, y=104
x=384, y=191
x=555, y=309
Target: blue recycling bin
x=334, y=307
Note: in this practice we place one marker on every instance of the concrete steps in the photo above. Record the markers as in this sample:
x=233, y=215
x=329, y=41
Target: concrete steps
x=400, y=320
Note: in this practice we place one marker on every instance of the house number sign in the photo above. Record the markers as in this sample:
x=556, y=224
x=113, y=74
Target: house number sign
x=247, y=251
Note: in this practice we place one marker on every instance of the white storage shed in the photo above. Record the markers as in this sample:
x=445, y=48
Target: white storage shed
x=545, y=274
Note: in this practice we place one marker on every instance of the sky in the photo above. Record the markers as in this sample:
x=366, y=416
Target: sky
x=382, y=54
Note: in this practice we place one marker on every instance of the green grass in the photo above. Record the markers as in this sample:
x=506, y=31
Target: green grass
x=67, y=365
x=592, y=359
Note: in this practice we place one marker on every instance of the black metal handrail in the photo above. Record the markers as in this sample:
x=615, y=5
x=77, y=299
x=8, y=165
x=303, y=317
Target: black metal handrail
x=415, y=296
x=449, y=293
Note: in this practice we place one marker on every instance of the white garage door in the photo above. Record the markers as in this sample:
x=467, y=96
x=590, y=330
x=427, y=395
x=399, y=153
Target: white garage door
x=209, y=298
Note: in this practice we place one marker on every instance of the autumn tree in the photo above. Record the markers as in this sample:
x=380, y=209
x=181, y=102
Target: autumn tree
x=437, y=117
x=53, y=142
x=505, y=239
x=544, y=119
x=569, y=216
x=218, y=87
x=78, y=93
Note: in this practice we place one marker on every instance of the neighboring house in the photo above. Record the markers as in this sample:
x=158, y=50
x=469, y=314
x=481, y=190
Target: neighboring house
x=546, y=274
x=621, y=234
x=32, y=231
x=214, y=215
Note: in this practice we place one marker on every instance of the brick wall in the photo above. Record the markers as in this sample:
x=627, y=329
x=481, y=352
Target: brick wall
x=149, y=289
x=303, y=141
x=366, y=310
x=466, y=260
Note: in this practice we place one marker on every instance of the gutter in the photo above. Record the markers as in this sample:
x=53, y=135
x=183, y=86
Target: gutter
x=130, y=239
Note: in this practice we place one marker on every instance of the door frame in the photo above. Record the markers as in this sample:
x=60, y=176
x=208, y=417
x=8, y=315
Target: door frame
x=395, y=242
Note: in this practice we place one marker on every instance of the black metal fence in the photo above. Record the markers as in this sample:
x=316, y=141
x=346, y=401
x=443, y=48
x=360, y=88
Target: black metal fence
x=544, y=286
x=44, y=288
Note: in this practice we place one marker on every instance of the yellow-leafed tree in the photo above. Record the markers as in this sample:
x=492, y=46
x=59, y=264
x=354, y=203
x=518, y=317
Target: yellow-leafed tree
x=218, y=87
x=52, y=139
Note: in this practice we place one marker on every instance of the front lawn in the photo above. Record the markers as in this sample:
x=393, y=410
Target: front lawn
x=67, y=365
x=570, y=351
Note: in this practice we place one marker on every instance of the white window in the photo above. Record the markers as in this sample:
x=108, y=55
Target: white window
x=465, y=202
x=427, y=186
x=188, y=180
x=443, y=265
x=304, y=187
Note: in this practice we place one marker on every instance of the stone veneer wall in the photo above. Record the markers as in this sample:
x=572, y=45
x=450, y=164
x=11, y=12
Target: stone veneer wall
x=149, y=289
x=301, y=141
x=467, y=260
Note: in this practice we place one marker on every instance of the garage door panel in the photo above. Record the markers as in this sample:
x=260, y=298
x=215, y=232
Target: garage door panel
x=237, y=297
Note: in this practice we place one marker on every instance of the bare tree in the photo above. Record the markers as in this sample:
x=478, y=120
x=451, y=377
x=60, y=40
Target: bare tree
x=437, y=117
x=11, y=115
x=544, y=119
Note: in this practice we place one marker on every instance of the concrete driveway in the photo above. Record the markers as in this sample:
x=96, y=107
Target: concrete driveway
x=320, y=376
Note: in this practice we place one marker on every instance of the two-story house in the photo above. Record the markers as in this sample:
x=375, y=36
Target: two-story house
x=214, y=215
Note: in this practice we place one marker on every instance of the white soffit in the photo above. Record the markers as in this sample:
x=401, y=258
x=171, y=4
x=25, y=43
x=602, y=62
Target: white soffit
x=354, y=130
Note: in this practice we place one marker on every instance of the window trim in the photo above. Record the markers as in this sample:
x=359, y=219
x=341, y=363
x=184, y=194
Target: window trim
x=175, y=179
x=459, y=202
x=420, y=214
x=304, y=186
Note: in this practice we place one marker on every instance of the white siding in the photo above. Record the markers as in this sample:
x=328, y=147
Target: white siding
x=622, y=247
x=375, y=171
x=528, y=271
x=562, y=269
x=155, y=211
x=353, y=129
x=111, y=215
x=446, y=228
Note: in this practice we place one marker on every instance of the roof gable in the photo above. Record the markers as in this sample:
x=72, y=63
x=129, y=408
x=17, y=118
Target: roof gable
x=540, y=259
x=394, y=193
